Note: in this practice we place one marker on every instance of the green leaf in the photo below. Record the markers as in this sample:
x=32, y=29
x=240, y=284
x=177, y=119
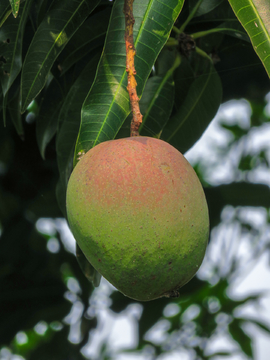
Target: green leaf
x=89, y=36
x=260, y=324
x=243, y=340
x=235, y=130
x=165, y=61
x=69, y=120
x=107, y=104
x=232, y=305
x=156, y=102
x=254, y=16
x=5, y=11
x=42, y=7
x=242, y=194
x=11, y=47
x=1, y=99
x=11, y=39
x=15, y=113
x=231, y=28
x=196, y=112
x=219, y=353
x=221, y=13
x=221, y=17
x=205, y=7
x=156, y=105
x=15, y=4
x=234, y=28
x=59, y=25
x=47, y=119
x=235, y=194
x=183, y=77
x=241, y=71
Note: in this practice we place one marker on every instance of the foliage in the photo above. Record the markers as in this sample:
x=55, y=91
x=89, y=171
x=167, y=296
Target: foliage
x=253, y=16
x=63, y=90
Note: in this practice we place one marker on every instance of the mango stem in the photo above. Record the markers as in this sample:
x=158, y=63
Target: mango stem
x=130, y=68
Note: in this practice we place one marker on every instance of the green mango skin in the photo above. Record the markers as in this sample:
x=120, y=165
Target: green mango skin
x=138, y=212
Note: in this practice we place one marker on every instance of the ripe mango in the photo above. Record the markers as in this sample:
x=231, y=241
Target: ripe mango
x=138, y=212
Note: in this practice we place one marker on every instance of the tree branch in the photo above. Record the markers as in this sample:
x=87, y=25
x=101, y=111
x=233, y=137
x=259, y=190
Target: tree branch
x=130, y=68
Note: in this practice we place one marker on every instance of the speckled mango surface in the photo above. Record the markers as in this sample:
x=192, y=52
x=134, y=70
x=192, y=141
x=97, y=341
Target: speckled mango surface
x=138, y=212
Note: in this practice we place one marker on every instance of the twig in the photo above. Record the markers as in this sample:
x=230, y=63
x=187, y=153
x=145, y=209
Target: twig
x=190, y=17
x=130, y=68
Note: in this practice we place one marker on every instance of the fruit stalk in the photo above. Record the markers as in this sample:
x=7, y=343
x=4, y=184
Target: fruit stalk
x=130, y=68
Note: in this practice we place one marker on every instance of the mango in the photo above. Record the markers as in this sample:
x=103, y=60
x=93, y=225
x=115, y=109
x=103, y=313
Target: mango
x=138, y=212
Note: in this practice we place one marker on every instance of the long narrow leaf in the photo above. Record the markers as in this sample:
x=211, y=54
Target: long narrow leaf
x=5, y=11
x=254, y=16
x=235, y=194
x=205, y=7
x=234, y=28
x=11, y=39
x=15, y=5
x=241, y=337
x=47, y=120
x=15, y=113
x=89, y=36
x=1, y=99
x=196, y=112
x=11, y=46
x=262, y=325
x=69, y=119
x=107, y=104
x=62, y=21
x=184, y=76
x=156, y=102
